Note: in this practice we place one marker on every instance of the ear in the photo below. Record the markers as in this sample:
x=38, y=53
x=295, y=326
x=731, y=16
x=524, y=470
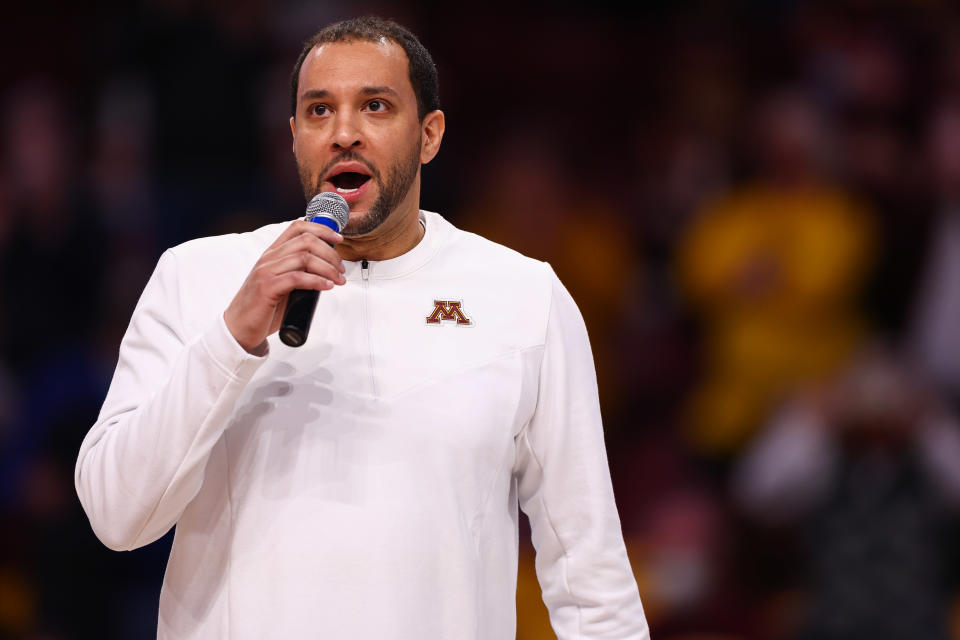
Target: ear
x=431, y=134
x=293, y=131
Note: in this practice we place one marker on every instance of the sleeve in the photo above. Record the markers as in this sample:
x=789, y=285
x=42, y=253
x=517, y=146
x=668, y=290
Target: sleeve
x=564, y=487
x=170, y=400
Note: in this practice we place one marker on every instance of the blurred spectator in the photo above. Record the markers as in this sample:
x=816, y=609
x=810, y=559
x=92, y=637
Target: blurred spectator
x=682, y=557
x=773, y=269
x=680, y=541
x=53, y=262
x=121, y=168
x=935, y=334
x=865, y=71
x=866, y=468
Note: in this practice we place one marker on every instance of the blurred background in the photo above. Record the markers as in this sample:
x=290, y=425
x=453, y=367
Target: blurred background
x=756, y=206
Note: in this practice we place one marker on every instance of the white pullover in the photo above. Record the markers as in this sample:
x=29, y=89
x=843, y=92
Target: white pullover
x=364, y=485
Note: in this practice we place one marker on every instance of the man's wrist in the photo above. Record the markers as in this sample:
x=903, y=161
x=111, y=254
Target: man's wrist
x=259, y=349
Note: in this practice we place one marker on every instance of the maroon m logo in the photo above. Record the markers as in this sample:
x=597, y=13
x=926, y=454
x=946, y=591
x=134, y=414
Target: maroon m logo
x=448, y=310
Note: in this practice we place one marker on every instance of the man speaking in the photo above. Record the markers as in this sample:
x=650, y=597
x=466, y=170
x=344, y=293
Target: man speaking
x=364, y=484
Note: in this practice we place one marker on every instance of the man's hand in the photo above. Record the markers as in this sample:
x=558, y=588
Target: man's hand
x=301, y=258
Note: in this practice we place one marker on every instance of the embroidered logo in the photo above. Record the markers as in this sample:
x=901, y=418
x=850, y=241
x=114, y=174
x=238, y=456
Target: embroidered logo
x=449, y=310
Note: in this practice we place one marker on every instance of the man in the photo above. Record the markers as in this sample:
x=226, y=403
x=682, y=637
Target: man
x=364, y=485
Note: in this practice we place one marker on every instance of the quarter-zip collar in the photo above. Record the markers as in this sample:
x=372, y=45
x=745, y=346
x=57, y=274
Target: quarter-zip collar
x=434, y=226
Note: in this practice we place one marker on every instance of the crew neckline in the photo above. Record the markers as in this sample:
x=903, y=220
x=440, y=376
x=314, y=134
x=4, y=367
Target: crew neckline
x=404, y=263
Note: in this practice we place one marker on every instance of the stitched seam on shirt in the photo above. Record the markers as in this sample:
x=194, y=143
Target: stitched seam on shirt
x=480, y=516
x=543, y=343
x=525, y=433
x=556, y=534
x=222, y=367
x=176, y=262
x=403, y=274
x=412, y=270
x=488, y=494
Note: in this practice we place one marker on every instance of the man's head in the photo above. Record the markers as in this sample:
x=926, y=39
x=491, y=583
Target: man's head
x=423, y=72
x=364, y=118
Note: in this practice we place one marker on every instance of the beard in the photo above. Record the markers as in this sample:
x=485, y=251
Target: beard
x=390, y=192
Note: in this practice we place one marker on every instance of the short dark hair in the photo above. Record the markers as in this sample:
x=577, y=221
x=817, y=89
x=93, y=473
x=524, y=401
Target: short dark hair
x=423, y=72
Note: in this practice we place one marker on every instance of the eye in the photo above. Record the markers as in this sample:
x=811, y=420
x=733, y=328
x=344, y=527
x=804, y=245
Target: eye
x=376, y=106
x=319, y=110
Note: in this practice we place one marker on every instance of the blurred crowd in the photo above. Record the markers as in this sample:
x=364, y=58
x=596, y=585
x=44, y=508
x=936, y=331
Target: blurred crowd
x=755, y=205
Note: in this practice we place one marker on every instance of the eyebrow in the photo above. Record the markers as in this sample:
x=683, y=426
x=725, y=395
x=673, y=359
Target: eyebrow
x=314, y=94
x=321, y=94
x=369, y=91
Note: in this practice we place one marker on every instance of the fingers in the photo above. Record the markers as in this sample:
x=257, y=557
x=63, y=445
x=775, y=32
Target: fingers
x=304, y=252
x=307, y=262
x=300, y=227
x=252, y=314
x=301, y=245
x=280, y=286
x=312, y=244
x=267, y=292
x=300, y=258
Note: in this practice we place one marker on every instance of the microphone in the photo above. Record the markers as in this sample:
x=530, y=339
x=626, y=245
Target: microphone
x=331, y=210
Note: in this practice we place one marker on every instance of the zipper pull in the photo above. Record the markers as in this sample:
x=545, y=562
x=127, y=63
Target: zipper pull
x=365, y=269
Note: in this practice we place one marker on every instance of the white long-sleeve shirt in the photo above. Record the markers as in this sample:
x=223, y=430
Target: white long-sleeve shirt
x=364, y=485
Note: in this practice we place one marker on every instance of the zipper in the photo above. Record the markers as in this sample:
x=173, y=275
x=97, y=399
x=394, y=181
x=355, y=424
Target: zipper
x=365, y=279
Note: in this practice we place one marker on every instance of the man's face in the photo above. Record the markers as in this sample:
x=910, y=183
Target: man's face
x=356, y=130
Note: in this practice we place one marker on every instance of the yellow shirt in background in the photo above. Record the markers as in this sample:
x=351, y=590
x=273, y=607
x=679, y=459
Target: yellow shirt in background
x=776, y=276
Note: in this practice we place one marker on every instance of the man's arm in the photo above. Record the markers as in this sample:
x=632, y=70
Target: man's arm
x=169, y=401
x=564, y=487
x=173, y=393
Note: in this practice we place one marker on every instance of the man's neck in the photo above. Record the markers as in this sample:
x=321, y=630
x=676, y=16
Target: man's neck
x=398, y=234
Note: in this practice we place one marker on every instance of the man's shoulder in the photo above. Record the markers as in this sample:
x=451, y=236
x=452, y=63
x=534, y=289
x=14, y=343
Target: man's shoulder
x=507, y=292
x=229, y=247
x=469, y=248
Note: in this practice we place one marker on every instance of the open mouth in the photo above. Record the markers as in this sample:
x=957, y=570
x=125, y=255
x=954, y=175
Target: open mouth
x=348, y=181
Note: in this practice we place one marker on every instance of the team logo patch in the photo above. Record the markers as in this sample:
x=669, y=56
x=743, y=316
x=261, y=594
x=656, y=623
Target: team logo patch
x=451, y=311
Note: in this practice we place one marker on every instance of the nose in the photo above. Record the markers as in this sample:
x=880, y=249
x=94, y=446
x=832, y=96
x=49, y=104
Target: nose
x=346, y=133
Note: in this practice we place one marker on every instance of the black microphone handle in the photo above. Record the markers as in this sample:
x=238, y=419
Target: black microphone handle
x=298, y=316
x=332, y=211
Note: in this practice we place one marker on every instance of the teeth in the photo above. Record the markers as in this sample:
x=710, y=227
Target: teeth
x=339, y=190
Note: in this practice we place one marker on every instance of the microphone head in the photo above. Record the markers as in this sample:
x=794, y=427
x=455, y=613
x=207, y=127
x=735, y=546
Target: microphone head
x=331, y=206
